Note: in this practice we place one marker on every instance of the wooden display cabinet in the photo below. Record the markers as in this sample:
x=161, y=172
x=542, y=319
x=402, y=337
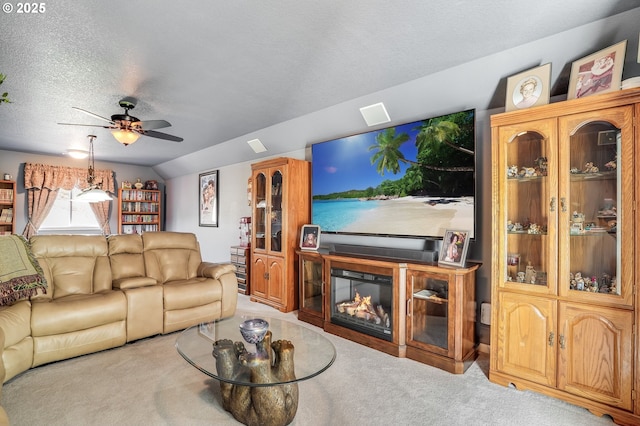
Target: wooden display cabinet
x=564, y=298
x=7, y=207
x=281, y=204
x=139, y=211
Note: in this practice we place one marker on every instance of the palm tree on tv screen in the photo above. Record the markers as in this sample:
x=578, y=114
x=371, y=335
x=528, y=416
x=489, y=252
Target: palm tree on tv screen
x=440, y=141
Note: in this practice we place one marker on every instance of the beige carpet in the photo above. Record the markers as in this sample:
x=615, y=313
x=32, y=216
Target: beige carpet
x=148, y=383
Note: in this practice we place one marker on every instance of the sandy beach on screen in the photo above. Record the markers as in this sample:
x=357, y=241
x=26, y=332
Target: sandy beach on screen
x=393, y=216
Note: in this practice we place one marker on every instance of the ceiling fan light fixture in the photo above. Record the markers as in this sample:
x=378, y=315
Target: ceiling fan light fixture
x=125, y=137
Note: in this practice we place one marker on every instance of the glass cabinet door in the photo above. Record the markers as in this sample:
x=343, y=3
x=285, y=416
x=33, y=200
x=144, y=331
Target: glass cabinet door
x=276, y=210
x=596, y=201
x=260, y=211
x=530, y=205
x=311, y=289
x=429, y=312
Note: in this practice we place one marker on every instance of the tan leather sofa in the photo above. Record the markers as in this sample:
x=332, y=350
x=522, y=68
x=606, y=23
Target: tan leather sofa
x=103, y=292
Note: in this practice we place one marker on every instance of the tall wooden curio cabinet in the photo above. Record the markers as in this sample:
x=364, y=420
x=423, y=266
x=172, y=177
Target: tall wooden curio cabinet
x=281, y=204
x=564, y=299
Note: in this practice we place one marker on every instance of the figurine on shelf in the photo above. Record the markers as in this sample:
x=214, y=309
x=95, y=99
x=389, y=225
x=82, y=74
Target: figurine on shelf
x=530, y=274
x=138, y=184
x=541, y=166
x=512, y=171
x=534, y=228
x=613, y=164
x=527, y=172
x=126, y=184
x=574, y=170
x=579, y=281
x=520, y=277
x=590, y=168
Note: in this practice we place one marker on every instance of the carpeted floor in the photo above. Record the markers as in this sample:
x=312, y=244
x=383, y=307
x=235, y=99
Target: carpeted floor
x=148, y=383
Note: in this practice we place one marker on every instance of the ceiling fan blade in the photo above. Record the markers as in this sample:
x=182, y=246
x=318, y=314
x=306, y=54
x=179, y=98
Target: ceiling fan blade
x=152, y=124
x=89, y=125
x=94, y=115
x=160, y=135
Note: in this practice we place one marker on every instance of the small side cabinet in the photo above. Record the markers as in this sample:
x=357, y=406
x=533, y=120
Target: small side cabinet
x=312, y=293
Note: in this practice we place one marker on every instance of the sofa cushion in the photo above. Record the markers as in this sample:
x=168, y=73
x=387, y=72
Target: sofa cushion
x=77, y=312
x=20, y=274
x=15, y=321
x=190, y=293
x=171, y=256
x=127, y=262
x=73, y=264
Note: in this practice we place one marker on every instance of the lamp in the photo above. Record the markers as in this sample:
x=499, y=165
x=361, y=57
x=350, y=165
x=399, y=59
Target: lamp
x=125, y=136
x=94, y=193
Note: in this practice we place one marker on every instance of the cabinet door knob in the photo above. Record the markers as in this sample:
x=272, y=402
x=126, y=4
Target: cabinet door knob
x=563, y=204
x=552, y=204
x=551, y=336
x=408, y=307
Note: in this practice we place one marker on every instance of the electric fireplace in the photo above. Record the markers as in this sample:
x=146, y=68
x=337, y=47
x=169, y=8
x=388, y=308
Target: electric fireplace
x=362, y=301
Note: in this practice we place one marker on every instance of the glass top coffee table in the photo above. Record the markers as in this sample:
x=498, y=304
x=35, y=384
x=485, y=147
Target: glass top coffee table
x=258, y=382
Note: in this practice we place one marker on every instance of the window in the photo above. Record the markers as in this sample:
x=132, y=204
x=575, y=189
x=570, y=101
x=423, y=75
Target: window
x=70, y=217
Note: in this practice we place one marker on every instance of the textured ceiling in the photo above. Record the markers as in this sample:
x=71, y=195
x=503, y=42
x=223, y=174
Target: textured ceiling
x=218, y=70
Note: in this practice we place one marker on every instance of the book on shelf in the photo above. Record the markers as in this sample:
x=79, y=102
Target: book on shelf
x=6, y=216
x=6, y=195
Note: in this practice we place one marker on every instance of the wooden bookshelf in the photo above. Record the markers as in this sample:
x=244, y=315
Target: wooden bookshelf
x=7, y=207
x=139, y=211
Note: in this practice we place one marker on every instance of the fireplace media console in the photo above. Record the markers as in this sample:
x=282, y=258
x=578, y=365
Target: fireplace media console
x=411, y=309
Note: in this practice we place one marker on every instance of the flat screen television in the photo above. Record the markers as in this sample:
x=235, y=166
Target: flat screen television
x=411, y=180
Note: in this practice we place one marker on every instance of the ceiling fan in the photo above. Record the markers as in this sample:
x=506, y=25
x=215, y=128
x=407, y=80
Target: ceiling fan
x=126, y=128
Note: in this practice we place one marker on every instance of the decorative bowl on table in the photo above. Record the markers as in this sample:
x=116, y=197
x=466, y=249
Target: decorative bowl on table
x=254, y=330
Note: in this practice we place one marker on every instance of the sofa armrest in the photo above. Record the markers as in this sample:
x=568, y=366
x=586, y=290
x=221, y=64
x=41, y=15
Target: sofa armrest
x=215, y=270
x=134, y=282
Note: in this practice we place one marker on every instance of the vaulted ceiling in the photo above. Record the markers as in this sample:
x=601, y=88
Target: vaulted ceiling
x=218, y=70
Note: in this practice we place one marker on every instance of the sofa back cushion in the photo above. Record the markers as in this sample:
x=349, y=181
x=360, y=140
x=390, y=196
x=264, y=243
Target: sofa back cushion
x=171, y=256
x=73, y=264
x=125, y=253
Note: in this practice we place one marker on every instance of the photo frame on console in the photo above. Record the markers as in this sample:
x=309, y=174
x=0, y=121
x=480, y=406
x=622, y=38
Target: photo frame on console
x=600, y=72
x=310, y=237
x=529, y=88
x=208, y=198
x=454, y=248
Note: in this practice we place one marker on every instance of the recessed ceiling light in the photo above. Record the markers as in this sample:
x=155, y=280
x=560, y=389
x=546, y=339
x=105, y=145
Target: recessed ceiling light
x=375, y=114
x=257, y=146
x=77, y=153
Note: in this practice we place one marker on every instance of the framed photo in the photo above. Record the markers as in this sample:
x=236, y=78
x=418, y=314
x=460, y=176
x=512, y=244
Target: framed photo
x=310, y=237
x=454, y=248
x=208, y=198
x=529, y=88
x=600, y=72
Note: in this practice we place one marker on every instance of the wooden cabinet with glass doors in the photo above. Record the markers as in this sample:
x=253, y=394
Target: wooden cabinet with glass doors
x=563, y=279
x=7, y=207
x=281, y=191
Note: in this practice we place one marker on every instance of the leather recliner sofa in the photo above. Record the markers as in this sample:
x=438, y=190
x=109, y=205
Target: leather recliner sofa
x=106, y=291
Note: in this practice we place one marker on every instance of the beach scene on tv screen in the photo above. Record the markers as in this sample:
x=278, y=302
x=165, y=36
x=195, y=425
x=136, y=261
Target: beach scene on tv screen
x=415, y=179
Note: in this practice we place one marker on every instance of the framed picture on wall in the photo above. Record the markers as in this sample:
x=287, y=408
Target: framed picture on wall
x=454, y=248
x=310, y=237
x=208, y=198
x=600, y=72
x=529, y=88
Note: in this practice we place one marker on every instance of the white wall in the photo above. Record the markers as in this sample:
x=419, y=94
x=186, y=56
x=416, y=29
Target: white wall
x=182, y=207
